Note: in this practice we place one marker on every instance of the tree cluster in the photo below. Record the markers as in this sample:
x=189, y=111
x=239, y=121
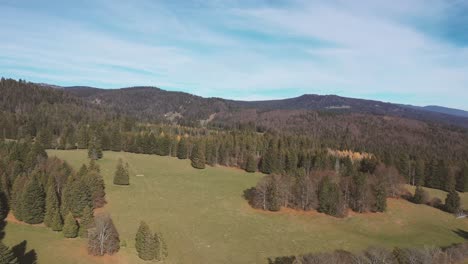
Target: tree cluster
x=427, y=255
x=327, y=191
x=150, y=246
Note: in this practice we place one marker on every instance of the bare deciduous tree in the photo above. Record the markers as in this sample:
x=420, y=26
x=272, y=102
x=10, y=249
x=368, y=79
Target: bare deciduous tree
x=103, y=238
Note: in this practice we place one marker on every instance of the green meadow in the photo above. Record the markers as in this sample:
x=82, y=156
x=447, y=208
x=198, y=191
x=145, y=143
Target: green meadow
x=204, y=218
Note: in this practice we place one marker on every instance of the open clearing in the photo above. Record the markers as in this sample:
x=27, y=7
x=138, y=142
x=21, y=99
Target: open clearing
x=435, y=193
x=204, y=218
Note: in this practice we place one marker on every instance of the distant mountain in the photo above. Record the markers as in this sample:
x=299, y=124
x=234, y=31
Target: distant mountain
x=151, y=103
x=445, y=110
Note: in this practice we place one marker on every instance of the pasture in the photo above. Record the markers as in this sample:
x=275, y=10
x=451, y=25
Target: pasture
x=204, y=218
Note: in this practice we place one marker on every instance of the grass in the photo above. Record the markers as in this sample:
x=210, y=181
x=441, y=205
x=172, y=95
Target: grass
x=441, y=194
x=204, y=218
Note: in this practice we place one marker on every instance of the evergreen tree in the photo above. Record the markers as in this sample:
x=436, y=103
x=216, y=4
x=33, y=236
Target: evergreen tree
x=419, y=196
x=270, y=160
x=160, y=247
x=4, y=208
x=358, y=193
x=462, y=180
x=52, y=216
x=329, y=196
x=33, y=202
x=273, y=196
x=17, y=196
x=198, y=156
x=86, y=221
x=76, y=196
x=121, y=176
x=7, y=255
x=95, y=183
x=144, y=242
x=70, y=228
x=83, y=137
x=95, y=149
x=250, y=163
x=452, y=202
x=419, y=172
x=380, y=198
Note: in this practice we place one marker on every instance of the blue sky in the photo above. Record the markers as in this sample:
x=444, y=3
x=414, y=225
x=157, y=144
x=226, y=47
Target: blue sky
x=400, y=51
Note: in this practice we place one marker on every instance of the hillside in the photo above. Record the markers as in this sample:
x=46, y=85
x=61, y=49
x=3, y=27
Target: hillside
x=154, y=103
x=331, y=121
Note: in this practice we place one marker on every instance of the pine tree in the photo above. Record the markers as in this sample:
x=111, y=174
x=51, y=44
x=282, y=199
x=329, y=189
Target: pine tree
x=76, y=196
x=144, y=242
x=419, y=196
x=121, y=176
x=270, y=160
x=7, y=255
x=17, y=196
x=380, y=198
x=182, y=149
x=462, y=180
x=198, y=156
x=328, y=194
x=250, y=163
x=160, y=247
x=86, y=221
x=52, y=216
x=95, y=149
x=33, y=202
x=95, y=183
x=4, y=208
x=452, y=202
x=70, y=228
x=273, y=196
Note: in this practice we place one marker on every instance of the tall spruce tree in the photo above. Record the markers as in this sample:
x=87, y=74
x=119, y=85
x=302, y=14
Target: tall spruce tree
x=380, y=198
x=70, y=228
x=462, y=180
x=86, y=221
x=7, y=255
x=95, y=149
x=250, y=163
x=33, y=202
x=17, y=196
x=198, y=156
x=52, y=216
x=452, y=202
x=121, y=175
x=95, y=183
x=160, y=247
x=144, y=242
x=76, y=196
x=419, y=196
x=329, y=196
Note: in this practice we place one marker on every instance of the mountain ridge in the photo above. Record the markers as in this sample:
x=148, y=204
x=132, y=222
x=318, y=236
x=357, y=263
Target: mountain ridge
x=150, y=99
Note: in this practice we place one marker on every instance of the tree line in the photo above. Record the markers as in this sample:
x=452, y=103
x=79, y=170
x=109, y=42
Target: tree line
x=427, y=255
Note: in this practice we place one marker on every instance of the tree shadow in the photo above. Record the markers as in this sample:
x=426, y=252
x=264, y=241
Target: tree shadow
x=24, y=257
x=461, y=233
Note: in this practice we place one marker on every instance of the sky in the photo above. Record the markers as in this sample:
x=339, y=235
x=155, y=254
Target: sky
x=411, y=52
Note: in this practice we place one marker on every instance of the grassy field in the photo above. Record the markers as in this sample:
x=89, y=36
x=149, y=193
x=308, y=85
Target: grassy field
x=441, y=194
x=204, y=218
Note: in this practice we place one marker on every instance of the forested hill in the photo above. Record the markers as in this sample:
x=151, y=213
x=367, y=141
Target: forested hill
x=152, y=103
x=27, y=109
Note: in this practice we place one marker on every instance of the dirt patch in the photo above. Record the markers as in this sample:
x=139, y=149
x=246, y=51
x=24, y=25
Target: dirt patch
x=12, y=219
x=282, y=211
x=82, y=253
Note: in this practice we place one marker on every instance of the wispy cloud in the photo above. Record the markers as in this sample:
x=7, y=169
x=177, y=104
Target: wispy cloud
x=257, y=49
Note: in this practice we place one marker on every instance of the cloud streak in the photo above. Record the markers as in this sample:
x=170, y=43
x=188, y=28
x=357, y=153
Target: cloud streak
x=240, y=49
